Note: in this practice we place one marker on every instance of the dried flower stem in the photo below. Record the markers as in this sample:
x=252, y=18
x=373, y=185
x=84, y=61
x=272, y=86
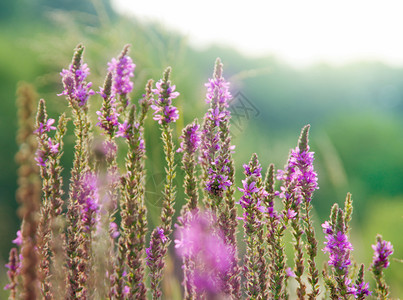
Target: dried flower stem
x=77, y=92
x=49, y=155
x=189, y=146
x=28, y=193
x=134, y=211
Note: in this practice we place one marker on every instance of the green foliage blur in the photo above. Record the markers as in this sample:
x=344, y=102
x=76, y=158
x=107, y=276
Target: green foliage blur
x=355, y=111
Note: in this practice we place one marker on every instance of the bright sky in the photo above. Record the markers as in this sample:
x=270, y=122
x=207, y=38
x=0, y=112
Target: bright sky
x=298, y=31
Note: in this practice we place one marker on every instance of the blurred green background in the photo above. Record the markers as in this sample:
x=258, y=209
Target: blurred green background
x=355, y=111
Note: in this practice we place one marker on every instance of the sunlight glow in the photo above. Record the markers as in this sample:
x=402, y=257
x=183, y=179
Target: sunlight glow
x=299, y=32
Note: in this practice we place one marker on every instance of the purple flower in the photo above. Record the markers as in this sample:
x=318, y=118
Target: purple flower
x=126, y=291
x=203, y=243
x=290, y=273
x=217, y=183
x=53, y=148
x=44, y=151
x=162, y=236
x=13, y=266
x=156, y=252
x=327, y=228
x=218, y=90
x=217, y=116
x=108, y=116
x=89, y=199
x=358, y=290
x=164, y=112
x=300, y=170
x=382, y=250
x=45, y=127
x=122, y=70
x=291, y=214
x=40, y=158
x=248, y=190
x=113, y=230
x=75, y=88
x=190, y=139
x=253, y=192
x=124, y=130
x=339, y=248
x=257, y=172
x=18, y=240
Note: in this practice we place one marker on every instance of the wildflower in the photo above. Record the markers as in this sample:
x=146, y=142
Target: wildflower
x=190, y=139
x=53, y=148
x=289, y=272
x=108, y=116
x=155, y=259
x=300, y=170
x=291, y=214
x=89, y=199
x=75, y=87
x=255, y=265
x=382, y=250
x=218, y=88
x=122, y=70
x=13, y=267
x=113, y=230
x=200, y=241
x=339, y=248
x=217, y=116
x=361, y=290
x=45, y=127
x=164, y=112
x=124, y=130
x=217, y=184
x=18, y=240
x=126, y=291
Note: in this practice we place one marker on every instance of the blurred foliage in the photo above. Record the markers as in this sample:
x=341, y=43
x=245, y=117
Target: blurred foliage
x=355, y=110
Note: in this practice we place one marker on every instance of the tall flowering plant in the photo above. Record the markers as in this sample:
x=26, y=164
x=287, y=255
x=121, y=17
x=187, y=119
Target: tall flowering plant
x=94, y=243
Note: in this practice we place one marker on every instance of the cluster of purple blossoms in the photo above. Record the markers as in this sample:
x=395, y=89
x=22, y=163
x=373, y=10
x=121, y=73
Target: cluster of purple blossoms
x=75, y=86
x=252, y=194
x=338, y=247
x=218, y=90
x=256, y=171
x=190, y=139
x=89, y=200
x=42, y=155
x=108, y=116
x=48, y=147
x=217, y=182
x=217, y=96
x=382, y=250
x=300, y=171
x=154, y=257
x=13, y=266
x=216, y=116
x=203, y=243
x=358, y=290
x=122, y=70
x=124, y=130
x=47, y=127
x=164, y=112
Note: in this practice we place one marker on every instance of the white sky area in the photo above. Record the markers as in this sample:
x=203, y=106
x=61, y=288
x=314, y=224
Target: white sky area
x=300, y=32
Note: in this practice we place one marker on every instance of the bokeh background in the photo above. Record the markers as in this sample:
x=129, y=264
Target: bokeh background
x=289, y=66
